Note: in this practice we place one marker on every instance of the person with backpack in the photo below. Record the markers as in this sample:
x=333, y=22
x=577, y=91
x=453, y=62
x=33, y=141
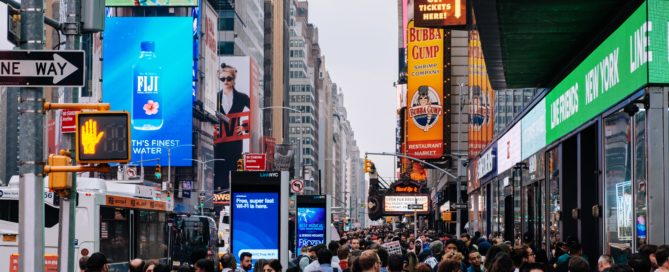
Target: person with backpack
x=302, y=260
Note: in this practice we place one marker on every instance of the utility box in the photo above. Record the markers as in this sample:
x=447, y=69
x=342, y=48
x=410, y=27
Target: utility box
x=92, y=16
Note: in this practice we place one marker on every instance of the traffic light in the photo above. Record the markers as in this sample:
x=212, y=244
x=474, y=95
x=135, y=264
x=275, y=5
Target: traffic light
x=369, y=166
x=240, y=165
x=103, y=137
x=158, y=173
x=59, y=181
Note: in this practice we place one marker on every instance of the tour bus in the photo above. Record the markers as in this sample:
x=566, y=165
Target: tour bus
x=120, y=219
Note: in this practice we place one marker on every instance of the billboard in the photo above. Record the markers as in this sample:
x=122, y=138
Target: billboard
x=430, y=13
x=481, y=97
x=234, y=98
x=149, y=3
x=210, y=61
x=148, y=73
x=399, y=204
x=425, y=103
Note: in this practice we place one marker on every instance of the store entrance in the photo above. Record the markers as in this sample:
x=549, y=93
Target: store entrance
x=580, y=191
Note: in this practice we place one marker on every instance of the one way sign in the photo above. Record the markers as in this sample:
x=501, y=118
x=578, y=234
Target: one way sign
x=42, y=68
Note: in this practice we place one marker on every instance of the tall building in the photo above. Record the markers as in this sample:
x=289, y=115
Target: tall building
x=303, y=128
x=277, y=31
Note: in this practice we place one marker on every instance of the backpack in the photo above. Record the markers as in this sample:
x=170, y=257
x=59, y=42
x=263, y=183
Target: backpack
x=297, y=261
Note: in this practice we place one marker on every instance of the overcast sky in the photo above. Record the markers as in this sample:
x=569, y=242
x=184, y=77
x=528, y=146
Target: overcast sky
x=359, y=41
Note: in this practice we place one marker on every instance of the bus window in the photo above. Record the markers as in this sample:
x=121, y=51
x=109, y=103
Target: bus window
x=9, y=210
x=115, y=234
x=50, y=216
x=151, y=235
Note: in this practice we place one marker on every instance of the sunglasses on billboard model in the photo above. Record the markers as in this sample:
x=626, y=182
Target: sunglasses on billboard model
x=224, y=79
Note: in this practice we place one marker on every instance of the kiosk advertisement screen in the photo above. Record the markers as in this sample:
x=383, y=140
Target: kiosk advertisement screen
x=310, y=226
x=255, y=228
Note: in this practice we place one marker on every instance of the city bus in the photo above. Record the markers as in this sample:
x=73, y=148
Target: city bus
x=122, y=220
x=190, y=233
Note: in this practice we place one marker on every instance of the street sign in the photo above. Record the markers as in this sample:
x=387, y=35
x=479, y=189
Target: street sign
x=296, y=186
x=459, y=206
x=255, y=162
x=415, y=206
x=67, y=121
x=103, y=137
x=44, y=68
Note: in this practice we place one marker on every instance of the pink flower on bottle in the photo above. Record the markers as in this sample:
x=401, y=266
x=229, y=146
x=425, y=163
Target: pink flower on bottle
x=151, y=107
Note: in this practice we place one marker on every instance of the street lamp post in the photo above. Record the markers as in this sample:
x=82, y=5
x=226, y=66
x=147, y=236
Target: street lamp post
x=204, y=165
x=169, y=164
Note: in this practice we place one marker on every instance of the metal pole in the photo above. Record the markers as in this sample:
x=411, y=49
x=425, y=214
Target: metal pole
x=204, y=164
x=169, y=169
x=67, y=210
x=458, y=222
x=31, y=148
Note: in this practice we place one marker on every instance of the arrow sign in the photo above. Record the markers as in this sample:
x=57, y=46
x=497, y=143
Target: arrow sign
x=42, y=68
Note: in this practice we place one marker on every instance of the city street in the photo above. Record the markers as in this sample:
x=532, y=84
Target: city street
x=334, y=136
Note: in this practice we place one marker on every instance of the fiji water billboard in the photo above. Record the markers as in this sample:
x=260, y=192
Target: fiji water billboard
x=310, y=227
x=148, y=73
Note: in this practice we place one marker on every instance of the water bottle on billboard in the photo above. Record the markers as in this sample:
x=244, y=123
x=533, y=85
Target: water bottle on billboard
x=147, y=108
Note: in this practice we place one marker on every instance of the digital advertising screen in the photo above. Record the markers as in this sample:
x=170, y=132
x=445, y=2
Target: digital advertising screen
x=310, y=226
x=150, y=3
x=255, y=229
x=149, y=74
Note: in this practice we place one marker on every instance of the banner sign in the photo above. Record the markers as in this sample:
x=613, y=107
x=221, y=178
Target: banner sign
x=425, y=124
x=481, y=98
x=631, y=57
x=508, y=149
x=399, y=204
x=534, y=130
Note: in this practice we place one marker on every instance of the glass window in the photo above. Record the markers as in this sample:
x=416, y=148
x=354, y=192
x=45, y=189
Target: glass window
x=555, y=207
x=151, y=235
x=618, y=186
x=641, y=203
x=9, y=210
x=115, y=234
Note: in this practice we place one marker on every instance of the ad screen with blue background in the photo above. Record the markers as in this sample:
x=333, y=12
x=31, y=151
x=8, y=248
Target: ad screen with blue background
x=147, y=71
x=255, y=224
x=310, y=227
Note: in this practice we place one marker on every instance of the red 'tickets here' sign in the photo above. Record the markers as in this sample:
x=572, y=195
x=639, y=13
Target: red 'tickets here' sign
x=255, y=162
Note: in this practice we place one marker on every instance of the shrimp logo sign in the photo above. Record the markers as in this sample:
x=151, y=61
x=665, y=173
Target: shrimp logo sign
x=425, y=108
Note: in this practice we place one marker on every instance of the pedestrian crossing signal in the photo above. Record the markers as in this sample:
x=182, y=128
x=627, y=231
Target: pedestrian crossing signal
x=103, y=137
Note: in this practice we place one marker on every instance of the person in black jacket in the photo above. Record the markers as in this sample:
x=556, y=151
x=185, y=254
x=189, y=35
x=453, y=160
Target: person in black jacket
x=229, y=102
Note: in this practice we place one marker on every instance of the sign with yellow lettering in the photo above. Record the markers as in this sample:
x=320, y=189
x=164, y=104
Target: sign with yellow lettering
x=440, y=13
x=425, y=104
x=103, y=137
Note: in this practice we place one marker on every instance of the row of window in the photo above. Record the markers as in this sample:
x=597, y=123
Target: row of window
x=297, y=53
x=301, y=98
x=297, y=74
x=301, y=88
x=296, y=43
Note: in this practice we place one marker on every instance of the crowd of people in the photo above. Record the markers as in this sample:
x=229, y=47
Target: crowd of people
x=368, y=250
x=380, y=249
